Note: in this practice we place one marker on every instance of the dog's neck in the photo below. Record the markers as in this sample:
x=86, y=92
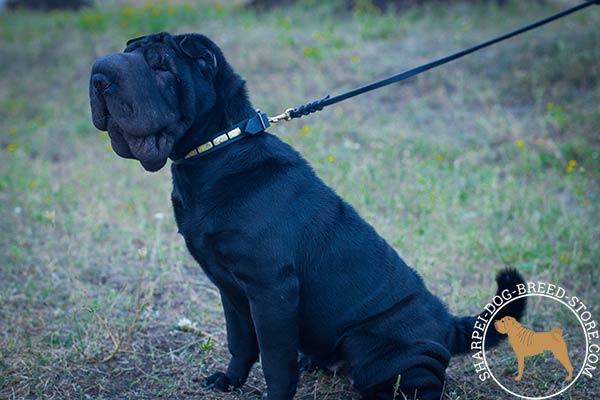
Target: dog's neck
x=229, y=109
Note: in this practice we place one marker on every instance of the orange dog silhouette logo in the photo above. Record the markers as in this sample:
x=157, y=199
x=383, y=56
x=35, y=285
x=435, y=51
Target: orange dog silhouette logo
x=526, y=343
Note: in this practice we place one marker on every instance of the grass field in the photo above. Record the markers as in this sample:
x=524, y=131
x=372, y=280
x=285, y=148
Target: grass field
x=488, y=162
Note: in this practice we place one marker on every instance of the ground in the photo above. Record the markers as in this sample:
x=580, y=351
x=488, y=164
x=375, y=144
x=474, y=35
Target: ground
x=488, y=162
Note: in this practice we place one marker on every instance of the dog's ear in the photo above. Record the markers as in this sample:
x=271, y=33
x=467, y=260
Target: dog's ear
x=229, y=86
x=134, y=43
x=194, y=47
x=137, y=39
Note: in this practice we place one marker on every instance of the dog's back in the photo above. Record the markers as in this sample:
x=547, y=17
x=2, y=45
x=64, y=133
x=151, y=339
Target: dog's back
x=528, y=342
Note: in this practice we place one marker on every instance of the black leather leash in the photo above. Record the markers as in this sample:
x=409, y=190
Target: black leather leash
x=318, y=105
x=260, y=121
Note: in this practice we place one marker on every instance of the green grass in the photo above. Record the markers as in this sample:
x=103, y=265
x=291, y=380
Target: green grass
x=465, y=169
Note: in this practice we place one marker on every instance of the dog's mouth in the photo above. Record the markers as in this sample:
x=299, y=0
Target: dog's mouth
x=151, y=150
x=499, y=326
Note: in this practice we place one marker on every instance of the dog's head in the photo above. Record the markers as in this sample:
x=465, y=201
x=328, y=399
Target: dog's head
x=505, y=324
x=156, y=90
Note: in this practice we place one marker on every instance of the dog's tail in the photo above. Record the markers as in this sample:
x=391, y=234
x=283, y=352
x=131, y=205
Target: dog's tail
x=465, y=331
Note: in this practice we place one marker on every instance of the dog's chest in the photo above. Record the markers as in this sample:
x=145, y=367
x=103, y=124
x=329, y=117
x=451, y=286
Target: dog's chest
x=200, y=223
x=191, y=209
x=202, y=245
x=193, y=223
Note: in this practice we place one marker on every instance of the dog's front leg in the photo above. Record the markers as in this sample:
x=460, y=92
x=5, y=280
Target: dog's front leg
x=521, y=366
x=243, y=346
x=274, y=308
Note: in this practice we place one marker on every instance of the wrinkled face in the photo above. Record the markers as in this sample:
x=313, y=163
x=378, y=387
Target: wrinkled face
x=148, y=96
x=503, y=325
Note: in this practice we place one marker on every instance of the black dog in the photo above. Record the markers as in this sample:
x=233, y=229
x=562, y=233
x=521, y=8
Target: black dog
x=298, y=269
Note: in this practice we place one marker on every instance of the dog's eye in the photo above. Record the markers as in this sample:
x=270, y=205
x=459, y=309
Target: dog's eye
x=156, y=61
x=161, y=67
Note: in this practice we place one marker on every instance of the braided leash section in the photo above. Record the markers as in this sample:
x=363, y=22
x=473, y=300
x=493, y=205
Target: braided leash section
x=318, y=105
x=308, y=108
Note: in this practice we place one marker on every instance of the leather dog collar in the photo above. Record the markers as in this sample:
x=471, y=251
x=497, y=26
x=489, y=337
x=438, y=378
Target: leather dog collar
x=250, y=126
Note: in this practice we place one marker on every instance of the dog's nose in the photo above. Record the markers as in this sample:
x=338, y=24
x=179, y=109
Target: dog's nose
x=101, y=82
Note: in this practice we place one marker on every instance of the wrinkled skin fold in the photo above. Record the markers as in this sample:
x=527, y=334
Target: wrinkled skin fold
x=146, y=97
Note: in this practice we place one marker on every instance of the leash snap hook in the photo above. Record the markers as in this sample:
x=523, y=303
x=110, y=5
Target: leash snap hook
x=282, y=117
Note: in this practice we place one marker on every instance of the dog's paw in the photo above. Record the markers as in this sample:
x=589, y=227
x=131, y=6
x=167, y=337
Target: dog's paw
x=221, y=382
x=307, y=364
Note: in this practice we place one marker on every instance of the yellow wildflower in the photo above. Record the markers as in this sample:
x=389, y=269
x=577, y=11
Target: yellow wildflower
x=563, y=259
x=309, y=51
x=128, y=12
x=304, y=130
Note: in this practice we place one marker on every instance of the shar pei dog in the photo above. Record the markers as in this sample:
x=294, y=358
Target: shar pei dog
x=304, y=280
x=526, y=343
